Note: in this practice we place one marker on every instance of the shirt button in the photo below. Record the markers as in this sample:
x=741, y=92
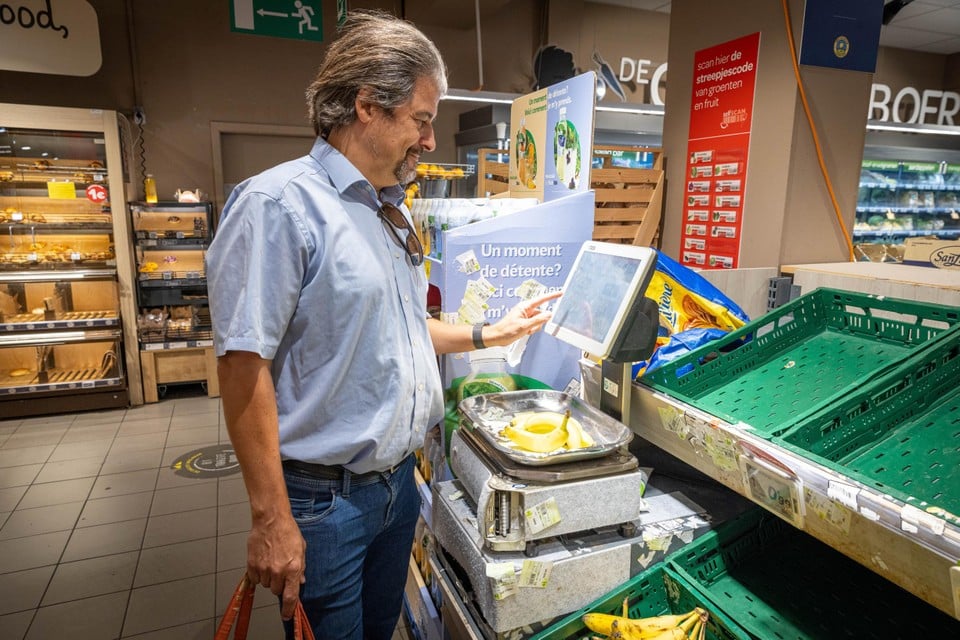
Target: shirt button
x=406, y=298
x=420, y=387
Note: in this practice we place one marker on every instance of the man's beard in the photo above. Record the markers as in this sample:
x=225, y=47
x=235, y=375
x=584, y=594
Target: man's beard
x=404, y=173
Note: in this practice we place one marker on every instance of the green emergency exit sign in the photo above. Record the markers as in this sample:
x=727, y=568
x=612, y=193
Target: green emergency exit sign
x=296, y=19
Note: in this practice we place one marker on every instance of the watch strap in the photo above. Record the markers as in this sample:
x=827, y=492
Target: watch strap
x=478, y=335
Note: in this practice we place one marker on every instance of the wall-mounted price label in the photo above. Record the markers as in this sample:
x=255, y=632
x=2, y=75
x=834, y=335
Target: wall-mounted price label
x=773, y=489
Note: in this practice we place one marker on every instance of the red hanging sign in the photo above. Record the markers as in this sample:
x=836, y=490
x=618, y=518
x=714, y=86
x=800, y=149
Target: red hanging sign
x=721, y=116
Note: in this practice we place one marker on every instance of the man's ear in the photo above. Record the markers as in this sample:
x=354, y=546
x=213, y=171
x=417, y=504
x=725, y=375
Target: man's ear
x=364, y=106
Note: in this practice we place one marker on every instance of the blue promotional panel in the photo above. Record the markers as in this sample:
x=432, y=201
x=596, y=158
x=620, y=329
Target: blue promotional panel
x=842, y=35
x=506, y=256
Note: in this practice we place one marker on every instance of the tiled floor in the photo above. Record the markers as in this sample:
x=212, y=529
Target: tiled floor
x=101, y=539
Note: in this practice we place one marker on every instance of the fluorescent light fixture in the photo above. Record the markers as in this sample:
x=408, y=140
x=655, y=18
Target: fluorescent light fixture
x=495, y=97
x=25, y=148
x=53, y=276
x=487, y=97
x=643, y=109
x=906, y=127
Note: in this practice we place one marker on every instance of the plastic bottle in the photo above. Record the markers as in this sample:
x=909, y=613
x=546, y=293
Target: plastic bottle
x=150, y=189
x=488, y=374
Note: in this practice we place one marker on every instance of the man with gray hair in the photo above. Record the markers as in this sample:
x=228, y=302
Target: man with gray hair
x=326, y=355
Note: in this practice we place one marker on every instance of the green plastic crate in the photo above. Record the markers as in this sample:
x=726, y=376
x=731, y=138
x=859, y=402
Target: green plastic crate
x=779, y=583
x=898, y=434
x=800, y=357
x=657, y=591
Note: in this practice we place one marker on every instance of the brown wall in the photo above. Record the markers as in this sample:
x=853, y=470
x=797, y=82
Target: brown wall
x=191, y=70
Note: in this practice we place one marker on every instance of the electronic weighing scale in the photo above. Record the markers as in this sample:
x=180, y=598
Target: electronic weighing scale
x=509, y=508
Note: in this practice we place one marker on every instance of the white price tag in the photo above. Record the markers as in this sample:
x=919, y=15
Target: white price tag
x=843, y=493
x=543, y=515
x=32, y=257
x=168, y=275
x=535, y=574
x=869, y=514
x=16, y=216
x=76, y=255
x=913, y=516
x=504, y=579
x=828, y=510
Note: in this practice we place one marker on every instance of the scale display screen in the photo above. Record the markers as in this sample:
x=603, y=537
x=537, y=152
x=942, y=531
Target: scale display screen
x=599, y=294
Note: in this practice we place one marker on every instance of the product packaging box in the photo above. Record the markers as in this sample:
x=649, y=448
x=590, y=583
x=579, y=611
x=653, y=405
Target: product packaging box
x=931, y=252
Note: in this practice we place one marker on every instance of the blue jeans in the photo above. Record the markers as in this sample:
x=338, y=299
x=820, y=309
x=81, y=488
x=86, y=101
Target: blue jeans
x=359, y=538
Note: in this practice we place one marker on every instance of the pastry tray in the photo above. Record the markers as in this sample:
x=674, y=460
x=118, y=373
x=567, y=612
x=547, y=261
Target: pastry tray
x=487, y=414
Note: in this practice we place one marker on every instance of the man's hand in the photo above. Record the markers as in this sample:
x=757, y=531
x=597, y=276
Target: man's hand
x=523, y=319
x=276, y=553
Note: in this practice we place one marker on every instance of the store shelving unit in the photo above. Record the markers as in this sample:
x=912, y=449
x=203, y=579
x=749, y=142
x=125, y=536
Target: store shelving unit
x=65, y=266
x=900, y=540
x=175, y=333
x=899, y=199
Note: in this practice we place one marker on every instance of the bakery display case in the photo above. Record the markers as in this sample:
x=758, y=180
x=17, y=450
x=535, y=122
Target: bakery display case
x=65, y=264
x=174, y=328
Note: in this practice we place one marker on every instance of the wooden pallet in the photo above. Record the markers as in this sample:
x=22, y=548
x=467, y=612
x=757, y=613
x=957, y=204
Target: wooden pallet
x=629, y=202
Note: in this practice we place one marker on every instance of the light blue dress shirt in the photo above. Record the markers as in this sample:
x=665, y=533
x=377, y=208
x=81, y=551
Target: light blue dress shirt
x=303, y=272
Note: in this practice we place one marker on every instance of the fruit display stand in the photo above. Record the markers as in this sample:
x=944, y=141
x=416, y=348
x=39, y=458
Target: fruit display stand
x=700, y=421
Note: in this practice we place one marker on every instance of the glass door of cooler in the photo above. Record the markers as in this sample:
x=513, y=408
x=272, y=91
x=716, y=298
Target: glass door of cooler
x=61, y=306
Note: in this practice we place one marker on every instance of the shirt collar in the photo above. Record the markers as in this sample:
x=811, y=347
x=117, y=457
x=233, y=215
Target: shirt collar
x=345, y=176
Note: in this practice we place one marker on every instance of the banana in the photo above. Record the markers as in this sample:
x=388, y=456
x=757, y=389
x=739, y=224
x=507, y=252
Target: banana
x=640, y=628
x=577, y=437
x=536, y=436
x=545, y=431
x=698, y=630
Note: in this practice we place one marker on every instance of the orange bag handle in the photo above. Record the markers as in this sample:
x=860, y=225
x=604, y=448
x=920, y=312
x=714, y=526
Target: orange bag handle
x=238, y=615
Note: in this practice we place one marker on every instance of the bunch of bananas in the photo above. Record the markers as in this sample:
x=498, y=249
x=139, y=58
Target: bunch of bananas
x=685, y=626
x=546, y=431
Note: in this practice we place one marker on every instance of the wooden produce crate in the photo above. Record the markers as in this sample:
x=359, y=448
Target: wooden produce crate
x=629, y=202
x=493, y=170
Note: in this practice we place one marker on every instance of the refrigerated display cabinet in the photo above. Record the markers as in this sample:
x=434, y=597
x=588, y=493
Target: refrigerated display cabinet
x=909, y=187
x=898, y=199
x=66, y=268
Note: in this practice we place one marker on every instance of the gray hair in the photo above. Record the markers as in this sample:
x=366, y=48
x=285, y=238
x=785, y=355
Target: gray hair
x=374, y=51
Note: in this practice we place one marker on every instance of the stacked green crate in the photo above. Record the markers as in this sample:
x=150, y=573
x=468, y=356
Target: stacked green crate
x=801, y=357
x=899, y=435
x=777, y=582
x=657, y=591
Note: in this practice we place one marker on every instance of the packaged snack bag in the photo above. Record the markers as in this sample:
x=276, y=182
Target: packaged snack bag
x=692, y=312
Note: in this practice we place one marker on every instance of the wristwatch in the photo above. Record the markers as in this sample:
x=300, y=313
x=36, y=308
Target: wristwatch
x=478, y=335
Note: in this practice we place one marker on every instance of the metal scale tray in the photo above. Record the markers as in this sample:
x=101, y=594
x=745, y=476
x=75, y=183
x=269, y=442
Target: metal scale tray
x=487, y=414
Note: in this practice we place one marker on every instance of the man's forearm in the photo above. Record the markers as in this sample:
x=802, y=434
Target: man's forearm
x=249, y=405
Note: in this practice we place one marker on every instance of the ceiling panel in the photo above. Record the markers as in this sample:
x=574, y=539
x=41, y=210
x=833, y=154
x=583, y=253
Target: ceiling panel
x=923, y=25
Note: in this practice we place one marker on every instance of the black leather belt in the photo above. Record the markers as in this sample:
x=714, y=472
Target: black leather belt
x=326, y=472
